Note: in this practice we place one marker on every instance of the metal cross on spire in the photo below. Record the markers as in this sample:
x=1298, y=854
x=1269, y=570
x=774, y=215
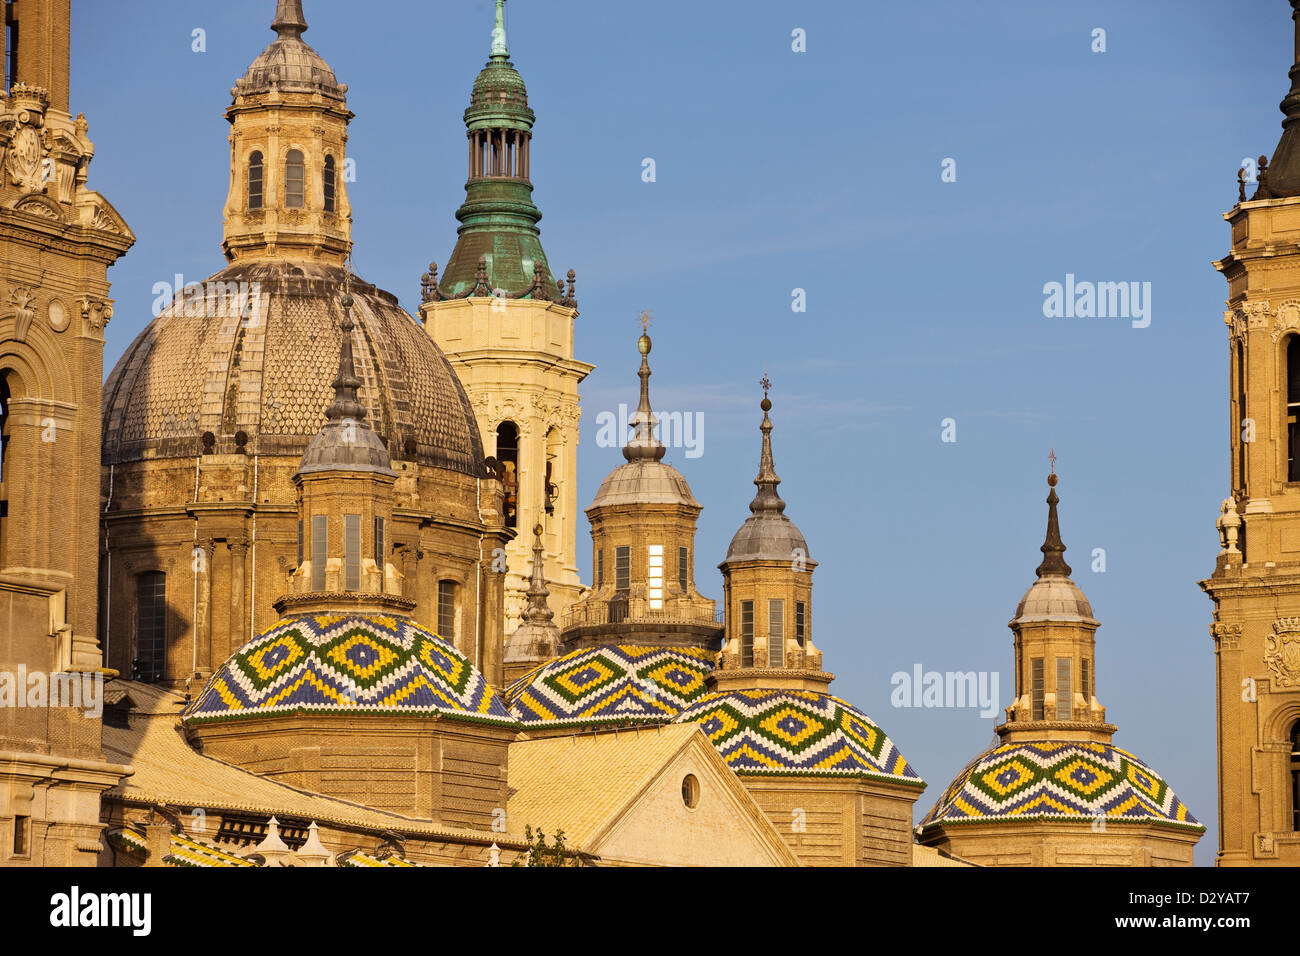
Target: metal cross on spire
x=646, y=319
x=1052, y=458
x=765, y=384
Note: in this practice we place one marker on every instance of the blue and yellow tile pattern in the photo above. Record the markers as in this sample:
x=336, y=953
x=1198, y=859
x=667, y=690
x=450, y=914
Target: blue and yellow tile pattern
x=798, y=733
x=1061, y=780
x=347, y=664
x=619, y=684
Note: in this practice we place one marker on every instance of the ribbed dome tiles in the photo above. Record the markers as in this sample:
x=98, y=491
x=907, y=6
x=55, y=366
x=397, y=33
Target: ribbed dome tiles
x=348, y=664
x=611, y=685
x=266, y=373
x=1059, y=780
x=798, y=733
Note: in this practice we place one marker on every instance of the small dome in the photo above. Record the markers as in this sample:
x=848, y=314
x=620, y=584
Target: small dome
x=1056, y=598
x=1059, y=780
x=618, y=684
x=335, y=449
x=766, y=536
x=347, y=664
x=798, y=733
x=644, y=482
x=289, y=64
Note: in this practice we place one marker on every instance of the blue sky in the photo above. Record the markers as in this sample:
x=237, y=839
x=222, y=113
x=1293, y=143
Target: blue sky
x=820, y=170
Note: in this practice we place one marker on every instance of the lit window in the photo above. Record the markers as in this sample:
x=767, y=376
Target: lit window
x=295, y=177
x=655, y=577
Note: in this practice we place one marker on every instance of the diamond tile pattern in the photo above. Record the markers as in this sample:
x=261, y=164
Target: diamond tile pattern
x=797, y=733
x=1045, y=780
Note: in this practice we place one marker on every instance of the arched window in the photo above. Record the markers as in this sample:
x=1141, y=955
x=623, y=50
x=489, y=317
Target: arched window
x=508, y=456
x=329, y=184
x=6, y=465
x=295, y=178
x=1295, y=777
x=255, y=181
x=447, y=610
x=1241, y=414
x=150, y=626
x=1292, y=408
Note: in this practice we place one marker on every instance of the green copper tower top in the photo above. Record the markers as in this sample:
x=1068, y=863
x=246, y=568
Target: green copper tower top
x=499, y=249
x=499, y=46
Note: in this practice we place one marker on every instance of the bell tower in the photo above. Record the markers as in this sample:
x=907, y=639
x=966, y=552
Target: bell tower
x=1255, y=586
x=506, y=324
x=57, y=240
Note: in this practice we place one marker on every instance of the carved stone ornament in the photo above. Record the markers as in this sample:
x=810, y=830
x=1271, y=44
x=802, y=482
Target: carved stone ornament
x=21, y=299
x=1226, y=635
x=1282, y=651
x=1235, y=320
x=1288, y=319
x=1256, y=315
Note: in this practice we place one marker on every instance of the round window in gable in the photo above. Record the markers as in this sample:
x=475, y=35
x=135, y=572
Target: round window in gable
x=690, y=791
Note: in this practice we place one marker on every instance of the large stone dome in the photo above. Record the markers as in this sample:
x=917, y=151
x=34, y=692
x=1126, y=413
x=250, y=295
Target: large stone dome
x=212, y=367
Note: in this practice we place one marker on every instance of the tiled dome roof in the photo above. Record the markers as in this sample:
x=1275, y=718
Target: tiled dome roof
x=1059, y=780
x=204, y=367
x=618, y=684
x=798, y=733
x=347, y=664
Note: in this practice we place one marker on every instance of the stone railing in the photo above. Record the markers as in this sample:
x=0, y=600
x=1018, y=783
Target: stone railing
x=636, y=610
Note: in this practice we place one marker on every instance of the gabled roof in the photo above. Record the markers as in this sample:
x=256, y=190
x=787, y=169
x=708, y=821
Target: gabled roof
x=610, y=792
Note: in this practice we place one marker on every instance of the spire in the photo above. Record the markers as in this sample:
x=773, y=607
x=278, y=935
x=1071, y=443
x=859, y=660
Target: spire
x=1282, y=178
x=538, y=611
x=643, y=444
x=767, y=498
x=346, y=383
x=289, y=22
x=1053, y=548
x=499, y=47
